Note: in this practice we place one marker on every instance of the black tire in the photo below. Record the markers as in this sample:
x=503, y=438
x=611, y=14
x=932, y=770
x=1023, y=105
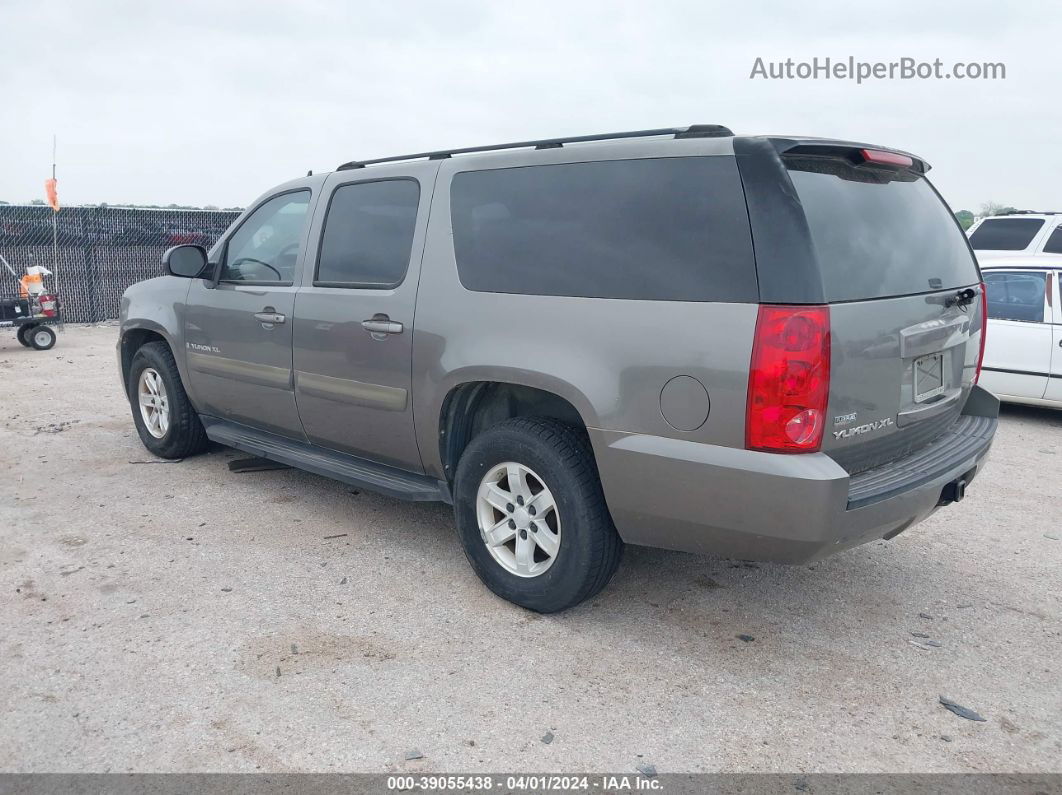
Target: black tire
x=590, y=549
x=41, y=338
x=185, y=435
x=21, y=335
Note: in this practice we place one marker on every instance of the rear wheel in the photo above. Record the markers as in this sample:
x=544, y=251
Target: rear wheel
x=41, y=338
x=21, y=335
x=531, y=514
x=165, y=419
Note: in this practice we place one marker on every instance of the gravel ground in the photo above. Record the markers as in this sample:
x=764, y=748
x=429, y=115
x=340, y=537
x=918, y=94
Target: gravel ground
x=178, y=617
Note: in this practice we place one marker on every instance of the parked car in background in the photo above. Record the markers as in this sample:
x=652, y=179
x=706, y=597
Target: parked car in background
x=176, y=236
x=1023, y=352
x=1017, y=233
x=756, y=347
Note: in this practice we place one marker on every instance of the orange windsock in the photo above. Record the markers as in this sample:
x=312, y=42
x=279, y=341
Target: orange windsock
x=51, y=193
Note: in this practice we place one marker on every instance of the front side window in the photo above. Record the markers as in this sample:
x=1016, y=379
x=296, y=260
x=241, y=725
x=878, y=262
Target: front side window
x=368, y=234
x=1005, y=234
x=266, y=246
x=1016, y=296
x=665, y=229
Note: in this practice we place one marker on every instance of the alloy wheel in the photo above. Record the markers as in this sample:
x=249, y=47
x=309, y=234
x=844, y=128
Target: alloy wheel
x=518, y=519
x=154, y=403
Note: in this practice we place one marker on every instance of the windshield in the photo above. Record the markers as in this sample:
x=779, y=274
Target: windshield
x=879, y=232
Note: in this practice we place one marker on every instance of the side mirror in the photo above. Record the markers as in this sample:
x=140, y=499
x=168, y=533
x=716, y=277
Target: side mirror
x=188, y=262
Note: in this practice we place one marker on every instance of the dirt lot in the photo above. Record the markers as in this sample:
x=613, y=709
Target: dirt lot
x=180, y=617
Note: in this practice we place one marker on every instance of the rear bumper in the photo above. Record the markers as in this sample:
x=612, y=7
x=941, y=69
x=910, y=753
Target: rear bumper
x=694, y=497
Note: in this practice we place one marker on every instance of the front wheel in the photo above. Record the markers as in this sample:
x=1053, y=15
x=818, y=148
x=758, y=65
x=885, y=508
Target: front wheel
x=165, y=420
x=41, y=338
x=22, y=335
x=531, y=514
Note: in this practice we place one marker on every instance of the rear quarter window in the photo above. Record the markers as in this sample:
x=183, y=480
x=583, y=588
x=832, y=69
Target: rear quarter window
x=1005, y=234
x=879, y=233
x=1054, y=243
x=673, y=229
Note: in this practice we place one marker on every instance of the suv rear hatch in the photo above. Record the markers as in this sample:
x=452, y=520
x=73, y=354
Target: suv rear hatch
x=868, y=235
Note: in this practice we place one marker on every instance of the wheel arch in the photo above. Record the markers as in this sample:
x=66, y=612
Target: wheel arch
x=472, y=406
x=134, y=337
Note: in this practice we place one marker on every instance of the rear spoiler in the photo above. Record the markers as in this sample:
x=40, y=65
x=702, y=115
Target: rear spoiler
x=855, y=152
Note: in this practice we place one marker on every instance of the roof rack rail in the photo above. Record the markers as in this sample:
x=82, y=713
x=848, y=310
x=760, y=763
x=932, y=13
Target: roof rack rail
x=693, y=131
x=1032, y=212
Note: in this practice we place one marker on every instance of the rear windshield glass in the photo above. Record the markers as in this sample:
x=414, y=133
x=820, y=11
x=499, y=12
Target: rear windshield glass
x=879, y=233
x=1005, y=234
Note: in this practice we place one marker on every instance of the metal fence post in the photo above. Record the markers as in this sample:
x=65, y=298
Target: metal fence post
x=91, y=271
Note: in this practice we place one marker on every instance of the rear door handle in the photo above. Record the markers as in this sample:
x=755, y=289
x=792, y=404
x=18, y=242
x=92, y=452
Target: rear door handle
x=382, y=325
x=270, y=317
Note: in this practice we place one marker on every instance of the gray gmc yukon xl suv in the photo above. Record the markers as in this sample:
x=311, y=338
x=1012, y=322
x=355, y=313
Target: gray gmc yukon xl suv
x=756, y=347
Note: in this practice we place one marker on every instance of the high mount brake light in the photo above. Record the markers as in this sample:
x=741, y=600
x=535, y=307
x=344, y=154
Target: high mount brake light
x=984, y=331
x=789, y=379
x=886, y=158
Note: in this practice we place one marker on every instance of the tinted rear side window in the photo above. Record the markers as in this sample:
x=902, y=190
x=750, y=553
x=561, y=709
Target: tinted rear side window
x=1005, y=234
x=368, y=233
x=879, y=233
x=672, y=229
x=1054, y=243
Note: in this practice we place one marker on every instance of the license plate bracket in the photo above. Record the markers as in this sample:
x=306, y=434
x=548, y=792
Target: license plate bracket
x=928, y=377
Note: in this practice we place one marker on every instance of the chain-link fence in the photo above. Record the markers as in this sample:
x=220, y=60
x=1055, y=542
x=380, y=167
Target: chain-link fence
x=100, y=250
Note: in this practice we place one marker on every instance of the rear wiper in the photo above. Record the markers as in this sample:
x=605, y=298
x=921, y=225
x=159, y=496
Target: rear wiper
x=963, y=297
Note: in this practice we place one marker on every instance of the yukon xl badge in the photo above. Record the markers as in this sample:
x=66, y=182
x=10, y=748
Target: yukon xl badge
x=858, y=430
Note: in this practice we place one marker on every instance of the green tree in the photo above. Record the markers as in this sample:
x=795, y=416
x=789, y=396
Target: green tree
x=995, y=208
x=965, y=218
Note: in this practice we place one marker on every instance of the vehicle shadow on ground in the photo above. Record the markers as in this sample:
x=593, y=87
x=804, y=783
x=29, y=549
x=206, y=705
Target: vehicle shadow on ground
x=651, y=582
x=1032, y=414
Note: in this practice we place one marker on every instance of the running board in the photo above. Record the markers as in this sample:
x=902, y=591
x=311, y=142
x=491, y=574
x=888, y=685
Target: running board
x=350, y=469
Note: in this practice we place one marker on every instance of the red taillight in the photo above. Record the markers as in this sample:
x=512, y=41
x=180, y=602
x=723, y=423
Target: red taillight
x=789, y=379
x=887, y=158
x=984, y=331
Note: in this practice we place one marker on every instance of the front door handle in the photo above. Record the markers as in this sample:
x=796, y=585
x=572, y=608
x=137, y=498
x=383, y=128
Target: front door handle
x=269, y=316
x=381, y=324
